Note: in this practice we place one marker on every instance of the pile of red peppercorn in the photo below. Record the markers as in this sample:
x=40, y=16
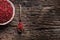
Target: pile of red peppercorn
x=6, y=11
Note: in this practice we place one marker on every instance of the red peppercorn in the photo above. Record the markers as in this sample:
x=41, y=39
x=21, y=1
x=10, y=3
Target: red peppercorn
x=6, y=11
x=20, y=26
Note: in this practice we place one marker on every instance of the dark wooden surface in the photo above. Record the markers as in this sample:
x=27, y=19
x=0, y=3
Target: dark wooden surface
x=41, y=20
